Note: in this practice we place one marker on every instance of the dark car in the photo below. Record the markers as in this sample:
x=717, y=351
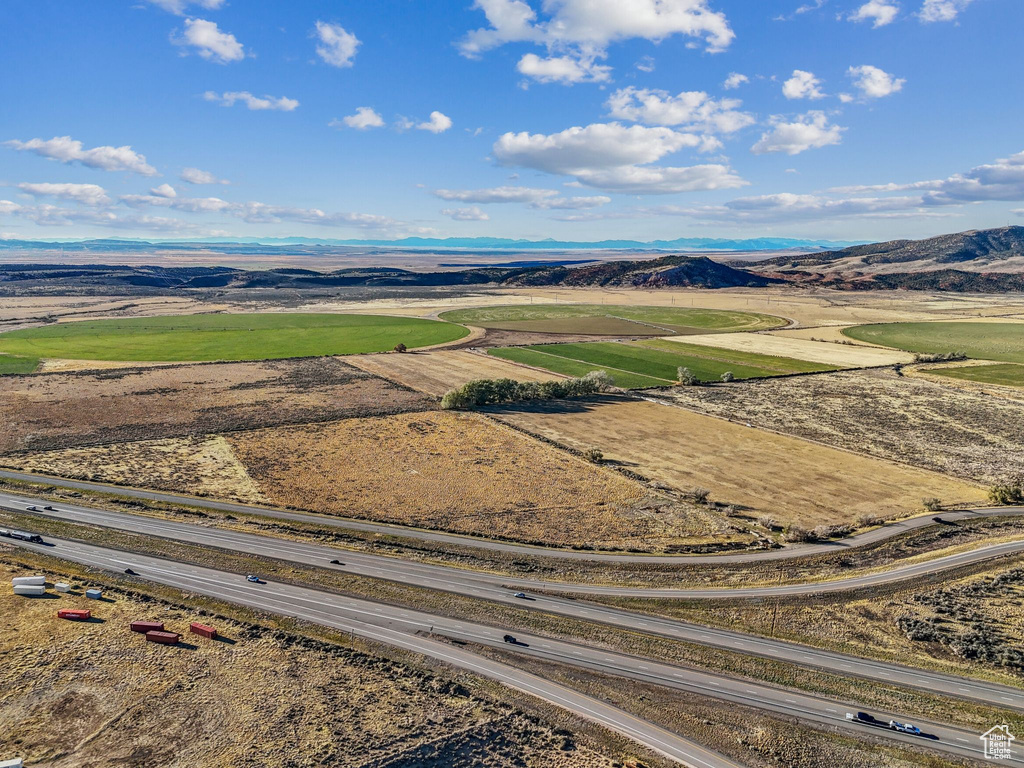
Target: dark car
x=336, y=562
x=510, y=639
x=130, y=572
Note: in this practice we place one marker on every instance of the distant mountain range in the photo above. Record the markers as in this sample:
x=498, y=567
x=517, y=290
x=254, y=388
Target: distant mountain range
x=979, y=260
x=455, y=243
x=697, y=271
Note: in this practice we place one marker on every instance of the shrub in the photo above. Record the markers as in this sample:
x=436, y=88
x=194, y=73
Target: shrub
x=1010, y=492
x=400, y=347
x=769, y=523
x=939, y=357
x=727, y=377
x=593, y=455
x=480, y=392
x=796, y=533
x=867, y=521
x=699, y=495
x=932, y=505
x=686, y=377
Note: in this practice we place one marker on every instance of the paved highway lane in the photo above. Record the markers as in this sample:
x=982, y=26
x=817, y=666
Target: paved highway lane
x=399, y=627
x=792, y=551
x=495, y=588
x=388, y=625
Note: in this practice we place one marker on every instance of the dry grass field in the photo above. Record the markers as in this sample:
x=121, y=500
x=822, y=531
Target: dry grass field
x=95, y=695
x=792, y=480
x=463, y=473
x=438, y=371
x=956, y=431
x=50, y=411
x=842, y=355
x=204, y=466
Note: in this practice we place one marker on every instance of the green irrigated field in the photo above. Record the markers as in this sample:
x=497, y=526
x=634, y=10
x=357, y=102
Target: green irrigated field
x=198, y=338
x=653, y=363
x=1006, y=374
x=569, y=367
x=611, y=320
x=13, y=364
x=982, y=341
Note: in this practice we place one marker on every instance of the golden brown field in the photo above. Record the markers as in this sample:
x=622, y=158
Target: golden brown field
x=792, y=480
x=841, y=355
x=94, y=695
x=437, y=372
x=459, y=472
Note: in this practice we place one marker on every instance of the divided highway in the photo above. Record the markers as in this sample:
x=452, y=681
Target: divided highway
x=495, y=588
x=404, y=628
x=799, y=550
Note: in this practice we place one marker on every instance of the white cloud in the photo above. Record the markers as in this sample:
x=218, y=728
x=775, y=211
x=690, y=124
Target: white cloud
x=438, y=123
x=209, y=42
x=942, y=10
x=879, y=12
x=585, y=28
x=646, y=64
x=690, y=108
x=466, y=214
x=364, y=118
x=786, y=206
x=87, y=194
x=164, y=190
x=809, y=131
x=197, y=176
x=1001, y=180
x=802, y=85
x=178, y=6
x=563, y=69
x=544, y=199
x=337, y=46
x=734, y=81
x=874, y=83
x=67, y=150
x=614, y=157
x=256, y=103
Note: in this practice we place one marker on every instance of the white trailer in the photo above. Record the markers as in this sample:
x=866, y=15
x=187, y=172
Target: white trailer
x=28, y=581
x=29, y=590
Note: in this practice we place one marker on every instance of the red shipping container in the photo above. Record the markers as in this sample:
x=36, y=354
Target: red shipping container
x=147, y=626
x=167, y=638
x=203, y=630
x=70, y=613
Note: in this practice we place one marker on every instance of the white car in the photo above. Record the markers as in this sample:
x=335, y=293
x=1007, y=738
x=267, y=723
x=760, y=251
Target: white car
x=896, y=725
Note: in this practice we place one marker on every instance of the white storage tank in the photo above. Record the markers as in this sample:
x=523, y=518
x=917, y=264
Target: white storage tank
x=28, y=581
x=29, y=590
x=94, y=594
x=60, y=586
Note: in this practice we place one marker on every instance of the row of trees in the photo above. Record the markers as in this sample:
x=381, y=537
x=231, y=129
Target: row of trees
x=480, y=392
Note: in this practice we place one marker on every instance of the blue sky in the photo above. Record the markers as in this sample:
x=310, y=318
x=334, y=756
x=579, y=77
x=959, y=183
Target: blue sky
x=573, y=119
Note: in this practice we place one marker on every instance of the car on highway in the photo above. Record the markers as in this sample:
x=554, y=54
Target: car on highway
x=896, y=725
x=254, y=579
x=520, y=595
x=336, y=562
x=130, y=572
x=862, y=717
x=510, y=639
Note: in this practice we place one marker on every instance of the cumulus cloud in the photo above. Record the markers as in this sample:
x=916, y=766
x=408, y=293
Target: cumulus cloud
x=209, y=41
x=1001, y=180
x=466, y=214
x=438, y=123
x=585, y=28
x=178, y=7
x=792, y=207
x=878, y=12
x=544, y=199
x=614, y=157
x=802, y=85
x=197, y=176
x=164, y=190
x=563, y=69
x=874, y=83
x=256, y=103
x=689, y=108
x=87, y=194
x=337, y=46
x=64, y=149
x=734, y=81
x=364, y=118
x=809, y=131
x=942, y=10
